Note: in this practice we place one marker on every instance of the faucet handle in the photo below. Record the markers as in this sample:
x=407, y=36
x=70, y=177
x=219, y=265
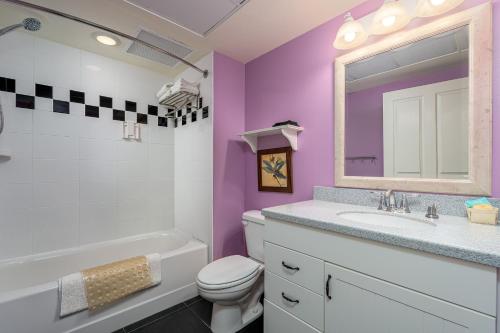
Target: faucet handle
x=432, y=212
x=381, y=202
x=406, y=205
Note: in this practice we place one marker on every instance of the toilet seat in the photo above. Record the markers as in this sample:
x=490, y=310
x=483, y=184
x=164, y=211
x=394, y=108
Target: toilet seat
x=227, y=273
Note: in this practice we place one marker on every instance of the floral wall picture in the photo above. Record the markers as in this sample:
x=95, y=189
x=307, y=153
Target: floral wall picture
x=275, y=170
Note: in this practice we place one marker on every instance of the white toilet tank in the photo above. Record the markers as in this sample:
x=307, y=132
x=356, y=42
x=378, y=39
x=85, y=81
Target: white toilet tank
x=253, y=221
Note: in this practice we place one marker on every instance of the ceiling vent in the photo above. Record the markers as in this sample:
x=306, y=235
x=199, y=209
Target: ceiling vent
x=171, y=46
x=200, y=17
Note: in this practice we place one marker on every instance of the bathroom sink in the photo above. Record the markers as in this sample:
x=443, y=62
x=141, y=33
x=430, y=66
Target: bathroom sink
x=385, y=219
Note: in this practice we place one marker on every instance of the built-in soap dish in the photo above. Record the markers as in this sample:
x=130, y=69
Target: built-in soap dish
x=5, y=155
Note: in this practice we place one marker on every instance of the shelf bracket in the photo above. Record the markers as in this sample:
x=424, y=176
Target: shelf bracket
x=291, y=136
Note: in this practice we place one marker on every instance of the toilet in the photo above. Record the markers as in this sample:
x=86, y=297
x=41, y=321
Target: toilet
x=235, y=283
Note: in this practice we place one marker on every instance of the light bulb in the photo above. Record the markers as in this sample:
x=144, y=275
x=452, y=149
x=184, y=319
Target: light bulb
x=350, y=36
x=389, y=21
x=106, y=40
x=437, y=2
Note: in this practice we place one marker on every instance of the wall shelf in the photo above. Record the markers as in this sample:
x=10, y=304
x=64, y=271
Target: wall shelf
x=290, y=132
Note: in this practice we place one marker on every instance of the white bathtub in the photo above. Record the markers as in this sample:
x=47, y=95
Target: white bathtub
x=28, y=285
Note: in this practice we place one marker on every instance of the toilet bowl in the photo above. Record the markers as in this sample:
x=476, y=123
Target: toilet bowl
x=235, y=283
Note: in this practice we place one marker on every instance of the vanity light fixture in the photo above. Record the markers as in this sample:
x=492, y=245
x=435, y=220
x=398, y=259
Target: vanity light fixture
x=427, y=8
x=351, y=34
x=392, y=16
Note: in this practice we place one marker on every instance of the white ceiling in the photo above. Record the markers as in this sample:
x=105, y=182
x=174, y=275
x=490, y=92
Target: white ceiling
x=250, y=31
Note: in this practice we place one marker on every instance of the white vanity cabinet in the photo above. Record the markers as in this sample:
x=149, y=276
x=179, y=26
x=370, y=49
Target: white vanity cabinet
x=321, y=281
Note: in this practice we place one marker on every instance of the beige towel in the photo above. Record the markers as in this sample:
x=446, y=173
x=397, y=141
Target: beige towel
x=108, y=283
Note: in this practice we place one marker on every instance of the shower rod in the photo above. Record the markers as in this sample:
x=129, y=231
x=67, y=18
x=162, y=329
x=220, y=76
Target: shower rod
x=110, y=30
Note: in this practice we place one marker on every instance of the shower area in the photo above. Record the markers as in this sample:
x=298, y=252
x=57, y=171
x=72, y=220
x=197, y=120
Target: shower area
x=75, y=189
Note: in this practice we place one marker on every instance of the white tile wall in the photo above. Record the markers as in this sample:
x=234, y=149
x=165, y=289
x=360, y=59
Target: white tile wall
x=193, y=165
x=72, y=179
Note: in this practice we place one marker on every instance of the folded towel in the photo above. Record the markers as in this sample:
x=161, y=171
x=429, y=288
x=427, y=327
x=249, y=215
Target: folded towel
x=97, y=287
x=480, y=201
x=164, y=89
x=72, y=294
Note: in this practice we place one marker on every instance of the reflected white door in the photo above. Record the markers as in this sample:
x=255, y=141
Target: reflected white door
x=426, y=131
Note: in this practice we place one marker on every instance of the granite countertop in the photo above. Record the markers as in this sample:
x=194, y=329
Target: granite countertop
x=452, y=236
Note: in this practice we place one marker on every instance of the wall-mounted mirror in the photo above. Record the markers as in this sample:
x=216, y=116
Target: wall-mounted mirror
x=413, y=111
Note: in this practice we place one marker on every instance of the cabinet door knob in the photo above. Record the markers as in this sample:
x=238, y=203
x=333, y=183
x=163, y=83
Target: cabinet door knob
x=292, y=268
x=296, y=301
x=328, y=287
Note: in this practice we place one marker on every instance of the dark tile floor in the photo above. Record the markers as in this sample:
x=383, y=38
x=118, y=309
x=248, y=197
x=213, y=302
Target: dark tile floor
x=192, y=316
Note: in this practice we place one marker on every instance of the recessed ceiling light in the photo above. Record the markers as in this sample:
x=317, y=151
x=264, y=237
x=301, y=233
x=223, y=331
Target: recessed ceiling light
x=106, y=40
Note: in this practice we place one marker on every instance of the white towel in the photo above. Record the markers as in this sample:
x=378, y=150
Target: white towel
x=72, y=296
x=164, y=89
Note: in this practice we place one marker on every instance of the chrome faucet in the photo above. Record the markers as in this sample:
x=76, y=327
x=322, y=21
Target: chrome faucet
x=390, y=201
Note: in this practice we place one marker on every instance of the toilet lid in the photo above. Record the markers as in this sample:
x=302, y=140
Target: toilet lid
x=227, y=271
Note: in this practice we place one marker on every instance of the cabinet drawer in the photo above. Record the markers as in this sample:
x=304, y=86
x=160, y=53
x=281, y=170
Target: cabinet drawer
x=294, y=299
x=296, y=267
x=277, y=320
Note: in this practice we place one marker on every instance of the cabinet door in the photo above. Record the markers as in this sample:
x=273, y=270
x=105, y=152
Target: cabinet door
x=356, y=303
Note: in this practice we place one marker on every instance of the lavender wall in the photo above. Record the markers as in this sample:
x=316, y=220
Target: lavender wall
x=295, y=81
x=364, y=117
x=229, y=159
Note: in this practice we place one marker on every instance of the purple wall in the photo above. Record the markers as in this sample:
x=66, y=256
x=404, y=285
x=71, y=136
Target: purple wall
x=295, y=81
x=364, y=117
x=229, y=156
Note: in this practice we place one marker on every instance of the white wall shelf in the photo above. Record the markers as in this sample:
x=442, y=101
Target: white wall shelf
x=290, y=132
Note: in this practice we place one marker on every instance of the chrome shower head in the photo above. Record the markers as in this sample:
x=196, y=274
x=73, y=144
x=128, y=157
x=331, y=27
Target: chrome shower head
x=29, y=24
x=32, y=24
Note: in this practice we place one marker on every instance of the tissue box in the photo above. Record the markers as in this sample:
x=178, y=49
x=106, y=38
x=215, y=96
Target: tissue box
x=483, y=216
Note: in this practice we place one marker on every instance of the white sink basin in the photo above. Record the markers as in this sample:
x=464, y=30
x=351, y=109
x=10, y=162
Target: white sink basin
x=384, y=219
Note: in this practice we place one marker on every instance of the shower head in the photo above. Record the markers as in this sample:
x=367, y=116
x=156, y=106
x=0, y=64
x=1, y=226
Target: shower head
x=32, y=24
x=29, y=24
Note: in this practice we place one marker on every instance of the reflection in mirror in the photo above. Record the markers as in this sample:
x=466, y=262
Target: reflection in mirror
x=407, y=110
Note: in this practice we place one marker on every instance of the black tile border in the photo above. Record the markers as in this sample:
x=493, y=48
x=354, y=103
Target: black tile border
x=7, y=84
x=105, y=102
x=25, y=101
x=142, y=118
x=118, y=115
x=162, y=122
x=92, y=111
x=181, y=116
x=130, y=106
x=77, y=96
x=60, y=106
x=152, y=110
x=42, y=90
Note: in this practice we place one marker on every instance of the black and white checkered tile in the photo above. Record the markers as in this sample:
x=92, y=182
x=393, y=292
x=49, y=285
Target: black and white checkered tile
x=189, y=114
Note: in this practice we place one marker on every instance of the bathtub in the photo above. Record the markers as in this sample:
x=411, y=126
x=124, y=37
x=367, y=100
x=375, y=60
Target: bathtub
x=29, y=295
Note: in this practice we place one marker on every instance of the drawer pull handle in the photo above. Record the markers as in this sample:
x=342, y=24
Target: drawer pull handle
x=328, y=287
x=292, y=268
x=296, y=301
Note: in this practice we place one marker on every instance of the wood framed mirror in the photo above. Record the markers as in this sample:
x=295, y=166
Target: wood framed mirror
x=413, y=111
